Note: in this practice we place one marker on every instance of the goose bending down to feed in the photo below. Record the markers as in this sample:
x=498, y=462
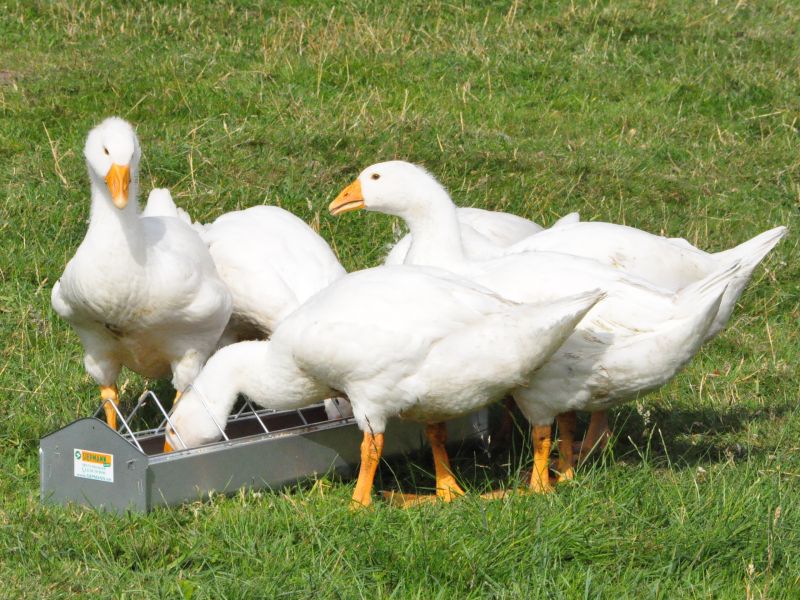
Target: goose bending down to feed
x=395, y=340
x=141, y=292
x=632, y=342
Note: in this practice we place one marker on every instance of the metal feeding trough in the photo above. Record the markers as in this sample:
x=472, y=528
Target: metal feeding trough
x=89, y=463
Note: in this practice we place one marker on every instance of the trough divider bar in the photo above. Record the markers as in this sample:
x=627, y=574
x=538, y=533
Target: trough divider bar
x=168, y=420
x=255, y=414
x=239, y=412
x=302, y=416
x=335, y=402
x=139, y=403
x=208, y=410
x=124, y=423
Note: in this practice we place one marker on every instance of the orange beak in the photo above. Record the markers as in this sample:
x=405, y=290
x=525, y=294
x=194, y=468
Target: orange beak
x=350, y=198
x=168, y=447
x=117, y=180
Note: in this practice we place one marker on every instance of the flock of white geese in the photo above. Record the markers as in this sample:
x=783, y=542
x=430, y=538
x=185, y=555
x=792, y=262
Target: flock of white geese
x=470, y=307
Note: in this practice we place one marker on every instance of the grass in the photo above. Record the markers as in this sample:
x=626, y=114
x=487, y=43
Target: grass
x=678, y=117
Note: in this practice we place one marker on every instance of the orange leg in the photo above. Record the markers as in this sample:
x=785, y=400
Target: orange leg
x=371, y=449
x=446, y=487
x=540, y=478
x=597, y=435
x=566, y=437
x=108, y=393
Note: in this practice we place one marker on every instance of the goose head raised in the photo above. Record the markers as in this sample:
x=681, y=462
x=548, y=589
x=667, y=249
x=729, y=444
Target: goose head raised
x=112, y=154
x=395, y=187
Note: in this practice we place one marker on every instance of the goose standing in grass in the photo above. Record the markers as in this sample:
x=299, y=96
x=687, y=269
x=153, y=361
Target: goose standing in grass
x=396, y=341
x=671, y=263
x=632, y=342
x=666, y=262
x=141, y=292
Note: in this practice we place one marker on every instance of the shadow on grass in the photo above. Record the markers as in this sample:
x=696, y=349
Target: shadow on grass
x=680, y=438
x=690, y=436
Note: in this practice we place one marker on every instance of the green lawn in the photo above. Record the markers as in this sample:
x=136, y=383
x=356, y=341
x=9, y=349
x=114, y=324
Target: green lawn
x=679, y=117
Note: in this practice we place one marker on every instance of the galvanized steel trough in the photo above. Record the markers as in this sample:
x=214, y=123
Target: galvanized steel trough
x=89, y=463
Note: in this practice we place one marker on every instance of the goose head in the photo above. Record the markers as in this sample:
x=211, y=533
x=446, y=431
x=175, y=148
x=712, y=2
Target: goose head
x=193, y=423
x=112, y=154
x=396, y=188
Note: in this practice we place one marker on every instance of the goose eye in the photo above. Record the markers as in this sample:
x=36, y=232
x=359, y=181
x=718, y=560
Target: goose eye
x=106, y=151
x=375, y=176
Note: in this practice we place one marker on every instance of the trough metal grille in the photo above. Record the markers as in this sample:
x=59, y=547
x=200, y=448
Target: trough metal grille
x=244, y=412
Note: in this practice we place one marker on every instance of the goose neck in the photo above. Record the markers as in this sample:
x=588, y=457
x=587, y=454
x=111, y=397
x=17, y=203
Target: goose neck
x=260, y=371
x=113, y=228
x=435, y=234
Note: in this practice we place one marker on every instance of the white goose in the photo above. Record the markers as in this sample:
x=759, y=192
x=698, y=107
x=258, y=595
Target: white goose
x=632, y=342
x=395, y=340
x=270, y=260
x=140, y=291
x=666, y=262
x=671, y=263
